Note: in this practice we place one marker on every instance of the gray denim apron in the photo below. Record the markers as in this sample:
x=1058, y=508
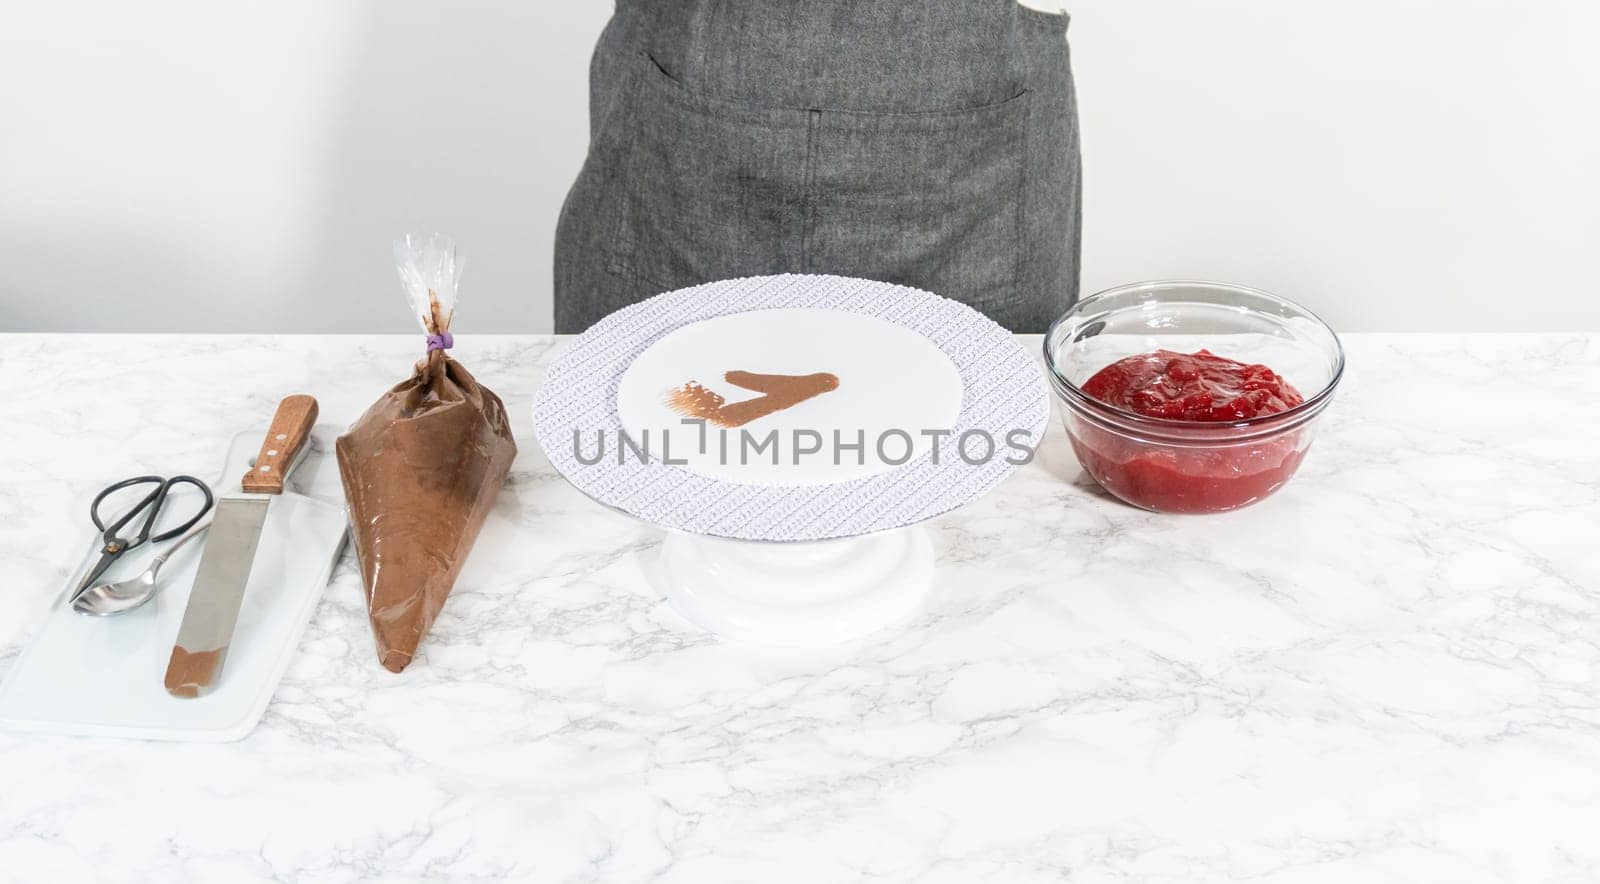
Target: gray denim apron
x=927, y=142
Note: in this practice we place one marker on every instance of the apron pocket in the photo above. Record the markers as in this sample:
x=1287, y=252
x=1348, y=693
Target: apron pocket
x=711, y=189
x=932, y=200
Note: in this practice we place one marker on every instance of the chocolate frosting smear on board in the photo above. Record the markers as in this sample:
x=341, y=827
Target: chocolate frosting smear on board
x=421, y=469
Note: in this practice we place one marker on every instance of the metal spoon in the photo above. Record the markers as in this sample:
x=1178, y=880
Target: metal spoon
x=114, y=598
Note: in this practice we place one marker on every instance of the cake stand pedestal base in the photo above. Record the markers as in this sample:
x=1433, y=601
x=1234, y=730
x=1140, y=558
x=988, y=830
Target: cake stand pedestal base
x=806, y=594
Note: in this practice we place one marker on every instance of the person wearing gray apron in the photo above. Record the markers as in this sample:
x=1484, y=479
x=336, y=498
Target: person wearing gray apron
x=932, y=143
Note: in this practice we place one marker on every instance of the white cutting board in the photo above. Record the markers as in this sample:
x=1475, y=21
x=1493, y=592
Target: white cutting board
x=102, y=676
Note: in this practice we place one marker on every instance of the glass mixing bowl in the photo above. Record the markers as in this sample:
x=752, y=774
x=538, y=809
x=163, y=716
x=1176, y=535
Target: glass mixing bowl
x=1181, y=466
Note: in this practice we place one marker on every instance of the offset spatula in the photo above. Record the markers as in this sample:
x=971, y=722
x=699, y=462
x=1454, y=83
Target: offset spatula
x=230, y=551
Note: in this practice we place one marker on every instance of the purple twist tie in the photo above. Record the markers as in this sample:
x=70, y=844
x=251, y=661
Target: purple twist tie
x=440, y=341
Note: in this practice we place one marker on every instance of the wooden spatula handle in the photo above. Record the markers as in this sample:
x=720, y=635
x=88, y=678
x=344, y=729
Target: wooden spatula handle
x=290, y=429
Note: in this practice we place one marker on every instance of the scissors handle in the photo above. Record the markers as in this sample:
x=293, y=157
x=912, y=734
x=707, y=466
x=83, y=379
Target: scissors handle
x=153, y=497
x=174, y=531
x=150, y=505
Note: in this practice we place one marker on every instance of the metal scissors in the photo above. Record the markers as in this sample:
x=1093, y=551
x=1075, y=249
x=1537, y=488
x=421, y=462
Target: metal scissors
x=113, y=545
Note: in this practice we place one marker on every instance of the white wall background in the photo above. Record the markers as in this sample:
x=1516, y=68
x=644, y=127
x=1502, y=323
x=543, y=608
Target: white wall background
x=1395, y=164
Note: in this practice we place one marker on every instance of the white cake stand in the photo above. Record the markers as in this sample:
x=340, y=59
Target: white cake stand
x=799, y=593
x=803, y=551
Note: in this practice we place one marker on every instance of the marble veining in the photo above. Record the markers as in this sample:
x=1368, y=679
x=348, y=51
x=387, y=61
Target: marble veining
x=1388, y=672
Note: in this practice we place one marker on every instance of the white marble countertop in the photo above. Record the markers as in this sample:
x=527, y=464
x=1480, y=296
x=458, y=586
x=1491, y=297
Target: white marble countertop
x=1388, y=672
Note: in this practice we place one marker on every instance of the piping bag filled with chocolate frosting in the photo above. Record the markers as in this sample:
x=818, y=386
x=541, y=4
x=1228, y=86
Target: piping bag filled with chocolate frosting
x=422, y=466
